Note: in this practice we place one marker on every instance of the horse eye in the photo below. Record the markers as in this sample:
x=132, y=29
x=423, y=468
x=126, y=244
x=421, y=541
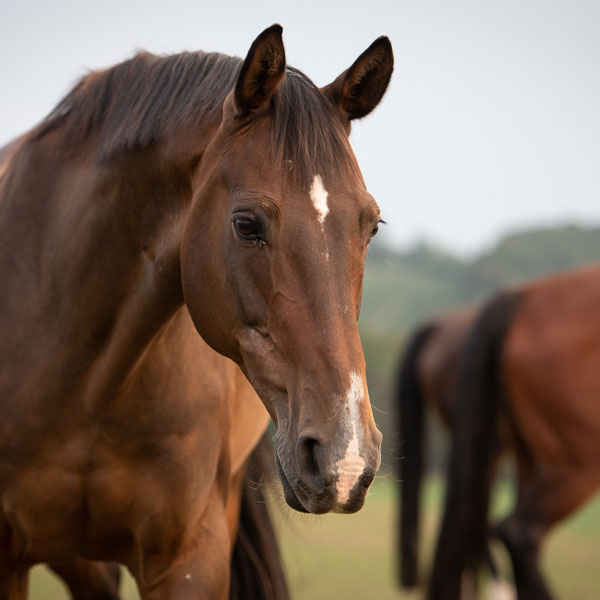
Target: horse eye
x=245, y=228
x=376, y=228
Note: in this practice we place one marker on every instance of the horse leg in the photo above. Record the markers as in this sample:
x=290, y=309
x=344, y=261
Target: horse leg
x=199, y=568
x=201, y=571
x=13, y=582
x=13, y=577
x=89, y=580
x=541, y=503
x=521, y=538
x=13, y=586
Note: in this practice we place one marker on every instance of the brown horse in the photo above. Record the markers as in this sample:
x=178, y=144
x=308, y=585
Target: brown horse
x=163, y=197
x=528, y=378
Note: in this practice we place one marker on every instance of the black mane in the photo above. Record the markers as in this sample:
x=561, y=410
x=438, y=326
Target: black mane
x=149, y=97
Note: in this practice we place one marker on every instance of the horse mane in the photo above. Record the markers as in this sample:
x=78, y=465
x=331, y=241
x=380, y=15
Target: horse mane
x=148, y=97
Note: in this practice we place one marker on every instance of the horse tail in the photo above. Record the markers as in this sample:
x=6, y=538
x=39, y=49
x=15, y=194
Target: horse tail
x=462, y=542
x=410, y=413
x=256, y=565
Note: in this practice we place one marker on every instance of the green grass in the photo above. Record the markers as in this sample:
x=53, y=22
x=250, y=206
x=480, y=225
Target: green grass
x=335, y=557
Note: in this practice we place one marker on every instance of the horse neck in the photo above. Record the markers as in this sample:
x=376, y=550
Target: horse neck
x=95, y=250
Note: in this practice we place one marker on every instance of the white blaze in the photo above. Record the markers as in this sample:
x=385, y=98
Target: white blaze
x=351, y=467
x=318, y=195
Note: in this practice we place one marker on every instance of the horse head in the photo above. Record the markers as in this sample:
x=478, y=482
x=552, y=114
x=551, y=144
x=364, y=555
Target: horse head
x=272, y=262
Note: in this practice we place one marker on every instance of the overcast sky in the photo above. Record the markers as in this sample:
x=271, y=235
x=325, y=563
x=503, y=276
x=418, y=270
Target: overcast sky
x=492, y=120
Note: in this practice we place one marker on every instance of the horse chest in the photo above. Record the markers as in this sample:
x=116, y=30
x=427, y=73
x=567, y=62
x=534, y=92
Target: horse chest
x=90, y=499
x=130, y=472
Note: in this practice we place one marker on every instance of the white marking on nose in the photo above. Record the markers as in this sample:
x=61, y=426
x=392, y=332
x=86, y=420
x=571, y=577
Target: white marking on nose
x=318, y=195
x=351, y=467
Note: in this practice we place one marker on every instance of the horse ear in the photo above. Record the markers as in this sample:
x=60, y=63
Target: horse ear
x=357, y=91
x=261, y=72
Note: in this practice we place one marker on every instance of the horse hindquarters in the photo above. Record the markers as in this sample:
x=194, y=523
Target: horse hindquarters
x=551, y=371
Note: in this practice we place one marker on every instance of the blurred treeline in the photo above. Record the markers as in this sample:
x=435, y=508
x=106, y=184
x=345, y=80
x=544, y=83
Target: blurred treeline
x=405, y=288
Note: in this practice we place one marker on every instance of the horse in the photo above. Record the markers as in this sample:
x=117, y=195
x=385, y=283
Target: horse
x=526, y=379
x=183, y=244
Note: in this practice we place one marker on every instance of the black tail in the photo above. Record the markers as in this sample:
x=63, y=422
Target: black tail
x=463, y=537
x=257, y=571
x=410, y=411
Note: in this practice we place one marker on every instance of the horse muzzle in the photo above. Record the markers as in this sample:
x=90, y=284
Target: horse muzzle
x=316, y=479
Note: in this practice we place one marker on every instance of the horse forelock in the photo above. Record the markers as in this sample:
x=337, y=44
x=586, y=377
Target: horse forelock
x=307, y=134
x=149, y=97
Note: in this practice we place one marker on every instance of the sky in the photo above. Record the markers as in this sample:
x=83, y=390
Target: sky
x=491, y=122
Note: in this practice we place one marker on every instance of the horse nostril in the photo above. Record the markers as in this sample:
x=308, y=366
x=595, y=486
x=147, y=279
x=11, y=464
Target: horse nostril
x=308, y=454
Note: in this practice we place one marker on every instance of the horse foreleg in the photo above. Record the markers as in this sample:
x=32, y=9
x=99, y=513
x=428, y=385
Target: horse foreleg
x=13, y=586
x=543, y=501
x=89, y=580
x=201, y=571
x=198, y=569
x=13, y=576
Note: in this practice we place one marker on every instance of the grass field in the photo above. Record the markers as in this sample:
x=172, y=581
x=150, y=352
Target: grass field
x=347, y=557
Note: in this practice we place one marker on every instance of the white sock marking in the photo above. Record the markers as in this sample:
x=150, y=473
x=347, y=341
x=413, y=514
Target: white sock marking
x=351, y=467
x=318, y=195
